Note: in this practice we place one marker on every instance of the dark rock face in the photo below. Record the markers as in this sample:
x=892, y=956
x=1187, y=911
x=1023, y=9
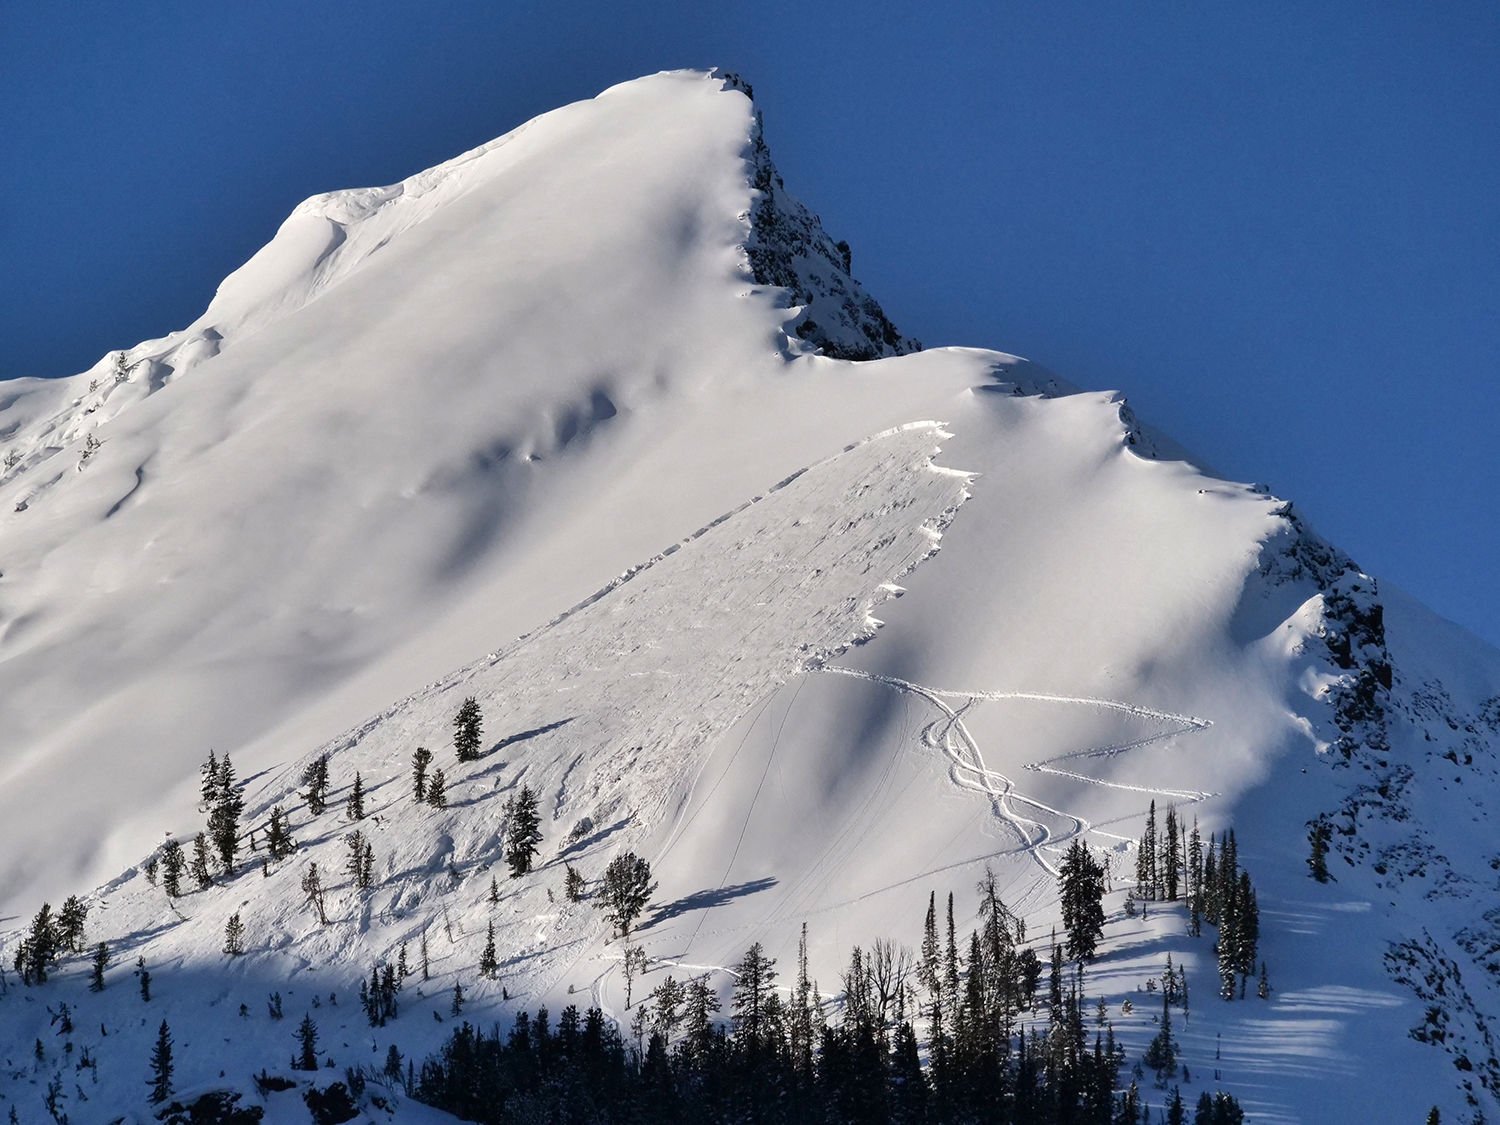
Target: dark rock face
x=788, y=248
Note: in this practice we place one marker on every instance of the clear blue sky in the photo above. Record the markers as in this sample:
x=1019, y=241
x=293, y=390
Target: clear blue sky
x=1275, y=226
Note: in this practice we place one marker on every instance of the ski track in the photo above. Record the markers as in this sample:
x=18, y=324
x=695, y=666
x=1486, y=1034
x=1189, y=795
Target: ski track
x=968, y=770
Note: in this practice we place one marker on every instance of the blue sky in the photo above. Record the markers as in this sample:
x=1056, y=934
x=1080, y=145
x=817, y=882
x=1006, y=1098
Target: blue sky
x=1274, y=226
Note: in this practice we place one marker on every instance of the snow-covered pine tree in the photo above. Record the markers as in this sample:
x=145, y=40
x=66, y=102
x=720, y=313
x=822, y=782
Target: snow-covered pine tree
x=355, y=806
x=234, y=935
x=70, y=922
x=279, y=840
x=468, y=725
x=523, y=831
x=360, y=864
x=625, y=890
x=172, y=865
x=315, y=777
x=224, y=817
x=208, y=787
x=437, y=790
x=198, y=868
x=420, y=760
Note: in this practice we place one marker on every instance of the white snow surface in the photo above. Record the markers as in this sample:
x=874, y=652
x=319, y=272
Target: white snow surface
x=817, y=638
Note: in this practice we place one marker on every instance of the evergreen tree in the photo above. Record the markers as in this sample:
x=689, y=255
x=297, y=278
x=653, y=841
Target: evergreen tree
x=224, y=817
x=489, y=964
x=420, y=760
x=360, y=865
x=306, y=1057
x=625, y=890
x=928, y=968
x=208, y=788
x=312, y=887
x=172, y=865
x=1176, y=1108
x=573, y=883
x=755, y=979
x=467, y=727
x=950, y=963
x=1145, y=859
x=355, y=806
x=279, y=840
x=161, y=1066
x=425, y=972
x=1161, y=1053
x=456, y=1008
x=315, y=777
x=143, y=977
x=38, y=951
x=523, y=834
x=198, y=868
x=1319, y=836
x=70, y=921
x=1263, y=985
x=1209, y=892
x=1218, y=1109
x=1194, y=860
x=101, y=962
x=1171, y=856
x=234, y=935
x=437, y=790
x=1081, y=882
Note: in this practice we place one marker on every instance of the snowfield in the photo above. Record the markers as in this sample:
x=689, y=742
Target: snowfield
x=817, y=637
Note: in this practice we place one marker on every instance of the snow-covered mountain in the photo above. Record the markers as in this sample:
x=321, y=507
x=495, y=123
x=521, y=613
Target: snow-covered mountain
x=594, y=424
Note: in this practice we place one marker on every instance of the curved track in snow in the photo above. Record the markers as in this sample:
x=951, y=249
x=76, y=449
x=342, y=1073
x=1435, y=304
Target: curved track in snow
x=969, y=770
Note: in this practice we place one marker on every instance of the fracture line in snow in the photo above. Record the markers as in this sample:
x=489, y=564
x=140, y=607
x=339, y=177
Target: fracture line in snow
x=969, y=771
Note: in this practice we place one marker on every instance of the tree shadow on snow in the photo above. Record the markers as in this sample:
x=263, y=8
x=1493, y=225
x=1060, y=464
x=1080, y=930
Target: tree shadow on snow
x=578, y=847
x=527, y=735
x=707, y=899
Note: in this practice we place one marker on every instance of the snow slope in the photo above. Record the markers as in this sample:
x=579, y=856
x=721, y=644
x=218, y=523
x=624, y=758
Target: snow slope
x=816, y=636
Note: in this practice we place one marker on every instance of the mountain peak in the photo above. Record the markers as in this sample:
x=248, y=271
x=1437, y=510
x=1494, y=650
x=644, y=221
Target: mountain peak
x=566, y=427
